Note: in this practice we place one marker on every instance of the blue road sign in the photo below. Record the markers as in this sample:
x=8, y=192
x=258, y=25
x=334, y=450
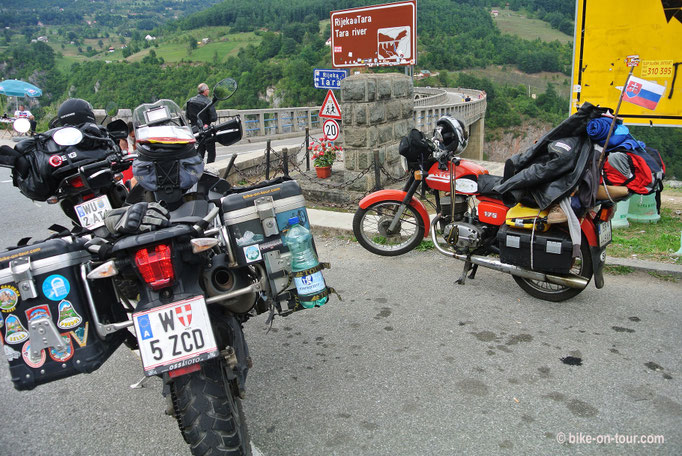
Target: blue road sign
x=329, y=79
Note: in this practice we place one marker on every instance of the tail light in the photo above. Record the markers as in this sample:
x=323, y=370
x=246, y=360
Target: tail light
x=155, y=266
x=76, y=182
x=606, y=213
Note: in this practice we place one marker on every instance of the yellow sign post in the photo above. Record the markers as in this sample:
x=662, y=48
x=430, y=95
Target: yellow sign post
x=614, y=36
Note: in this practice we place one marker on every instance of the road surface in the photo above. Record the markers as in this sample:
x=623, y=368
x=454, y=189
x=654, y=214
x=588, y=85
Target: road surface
x=408, y=364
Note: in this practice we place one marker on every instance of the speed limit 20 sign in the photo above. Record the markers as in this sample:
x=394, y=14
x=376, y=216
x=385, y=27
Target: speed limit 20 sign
x=331, y=129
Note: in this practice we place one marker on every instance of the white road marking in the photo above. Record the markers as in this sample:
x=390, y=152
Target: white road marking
x=7, y=181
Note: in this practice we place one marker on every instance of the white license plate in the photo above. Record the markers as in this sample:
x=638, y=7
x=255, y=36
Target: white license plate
x=174, y=336
x=91, y=213
x=604, y=229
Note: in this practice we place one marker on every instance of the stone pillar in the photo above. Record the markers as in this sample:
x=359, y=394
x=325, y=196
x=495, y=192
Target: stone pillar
x=378, y=110
x=476, y=134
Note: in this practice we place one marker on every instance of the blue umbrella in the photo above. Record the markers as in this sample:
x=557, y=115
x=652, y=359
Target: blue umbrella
x=16, y=88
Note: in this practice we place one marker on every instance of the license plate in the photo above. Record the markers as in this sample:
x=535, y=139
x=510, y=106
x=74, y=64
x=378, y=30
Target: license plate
x=91, y=213
x=174, y=336
x=604, y=229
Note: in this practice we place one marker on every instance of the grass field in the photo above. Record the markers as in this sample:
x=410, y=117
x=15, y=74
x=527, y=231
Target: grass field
x=515, y=23
x=172, y=49
x=177, y=51
x=657, y=241
x=537, y=82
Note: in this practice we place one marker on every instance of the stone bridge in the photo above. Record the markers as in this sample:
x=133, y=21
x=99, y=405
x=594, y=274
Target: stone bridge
x=429, y=105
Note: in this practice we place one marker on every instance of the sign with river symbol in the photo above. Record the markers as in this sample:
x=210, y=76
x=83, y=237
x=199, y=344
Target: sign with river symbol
x=380, y=35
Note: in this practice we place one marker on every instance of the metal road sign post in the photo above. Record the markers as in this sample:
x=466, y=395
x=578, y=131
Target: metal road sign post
x=328, y=79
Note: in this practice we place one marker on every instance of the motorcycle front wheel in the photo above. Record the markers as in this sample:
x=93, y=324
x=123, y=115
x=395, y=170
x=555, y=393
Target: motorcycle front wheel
x=557, y=293
x=209, y=414
x=371, y=227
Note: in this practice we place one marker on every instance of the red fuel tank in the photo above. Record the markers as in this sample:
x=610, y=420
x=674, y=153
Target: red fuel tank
x=466, y=173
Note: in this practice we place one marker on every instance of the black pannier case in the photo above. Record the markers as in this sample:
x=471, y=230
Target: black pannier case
x=551, y=250
x=43, y=303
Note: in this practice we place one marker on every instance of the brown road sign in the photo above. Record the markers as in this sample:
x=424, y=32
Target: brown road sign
x=380, y=35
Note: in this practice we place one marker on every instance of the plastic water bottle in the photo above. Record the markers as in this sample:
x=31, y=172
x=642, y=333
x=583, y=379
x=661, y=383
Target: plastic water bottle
x=303, y=257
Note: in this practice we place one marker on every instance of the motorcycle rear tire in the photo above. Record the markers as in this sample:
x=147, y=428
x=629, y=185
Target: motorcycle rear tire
x=376, y=241
x=209, y=414
x=558, y=293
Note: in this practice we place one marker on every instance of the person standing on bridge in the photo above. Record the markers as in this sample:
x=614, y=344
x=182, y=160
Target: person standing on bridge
x=201, y=118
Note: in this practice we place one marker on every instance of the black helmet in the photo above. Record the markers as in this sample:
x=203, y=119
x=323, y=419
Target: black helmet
x=75, y=111
x=455, y=136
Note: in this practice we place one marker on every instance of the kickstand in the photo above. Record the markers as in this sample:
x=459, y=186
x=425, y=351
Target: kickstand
x=473, y=272
x=140, y=384
x=462, y=278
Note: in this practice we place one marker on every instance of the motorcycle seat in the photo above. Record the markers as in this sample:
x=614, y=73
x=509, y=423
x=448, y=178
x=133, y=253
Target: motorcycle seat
x=191, y=212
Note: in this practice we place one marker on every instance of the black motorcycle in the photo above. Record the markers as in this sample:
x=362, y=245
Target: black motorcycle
x=203, y=256
x=80, y=167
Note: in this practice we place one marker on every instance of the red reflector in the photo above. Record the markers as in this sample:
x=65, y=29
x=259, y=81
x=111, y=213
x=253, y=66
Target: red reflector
x=607, y=214
x=155, y=265
x=184, y=370
x=55, y=161
x=77, y=182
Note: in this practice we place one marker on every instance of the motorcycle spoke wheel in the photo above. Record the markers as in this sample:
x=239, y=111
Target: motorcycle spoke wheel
x=546, y=291
x=372, y=228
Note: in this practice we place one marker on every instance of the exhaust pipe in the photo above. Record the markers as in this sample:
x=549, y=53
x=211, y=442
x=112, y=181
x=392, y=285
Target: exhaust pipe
x=569, y=280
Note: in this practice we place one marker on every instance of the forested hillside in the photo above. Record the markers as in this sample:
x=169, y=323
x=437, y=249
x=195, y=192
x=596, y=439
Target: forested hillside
x=123, y=51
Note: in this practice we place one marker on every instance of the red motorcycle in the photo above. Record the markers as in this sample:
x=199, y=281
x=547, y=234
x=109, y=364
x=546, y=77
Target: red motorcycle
x=475, y=224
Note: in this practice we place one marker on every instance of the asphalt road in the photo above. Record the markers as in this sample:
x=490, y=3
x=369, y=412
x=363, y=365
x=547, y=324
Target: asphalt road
x=408, y=364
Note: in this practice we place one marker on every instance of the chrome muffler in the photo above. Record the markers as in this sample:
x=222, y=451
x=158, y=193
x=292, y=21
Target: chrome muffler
x=568, y=280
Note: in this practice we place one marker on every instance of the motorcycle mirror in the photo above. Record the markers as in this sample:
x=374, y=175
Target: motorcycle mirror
x=224, y=89
x=118, y=129
x=67, y=136
x=111, y=108
x=22, y=125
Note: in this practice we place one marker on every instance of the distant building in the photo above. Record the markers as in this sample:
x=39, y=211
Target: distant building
x=205, y=41
x=494, y=13
x=329, y=42
x=149, y=38
x=42, y=39
x=111, y=49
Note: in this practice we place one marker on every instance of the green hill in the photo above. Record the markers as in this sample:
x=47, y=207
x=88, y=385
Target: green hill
x=518, y=24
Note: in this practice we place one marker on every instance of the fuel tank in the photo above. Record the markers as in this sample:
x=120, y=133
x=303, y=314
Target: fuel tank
x=466, y=173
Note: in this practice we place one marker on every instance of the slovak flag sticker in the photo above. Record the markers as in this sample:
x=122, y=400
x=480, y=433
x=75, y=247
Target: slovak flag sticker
x=184, y=313
x=643, y=93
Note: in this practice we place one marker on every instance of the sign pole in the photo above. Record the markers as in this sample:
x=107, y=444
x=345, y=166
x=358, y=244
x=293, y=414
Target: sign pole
x=602, y=157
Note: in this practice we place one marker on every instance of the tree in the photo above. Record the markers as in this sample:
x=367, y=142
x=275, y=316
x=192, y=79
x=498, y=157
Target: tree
x=191, y=44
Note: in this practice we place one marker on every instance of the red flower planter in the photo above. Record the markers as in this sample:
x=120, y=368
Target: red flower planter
x=323, y=172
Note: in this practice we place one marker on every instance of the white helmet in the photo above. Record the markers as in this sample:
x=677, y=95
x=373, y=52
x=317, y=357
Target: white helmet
x=454, y=133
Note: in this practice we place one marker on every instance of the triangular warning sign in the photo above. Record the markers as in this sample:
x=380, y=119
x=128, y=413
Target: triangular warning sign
x=330, y=108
